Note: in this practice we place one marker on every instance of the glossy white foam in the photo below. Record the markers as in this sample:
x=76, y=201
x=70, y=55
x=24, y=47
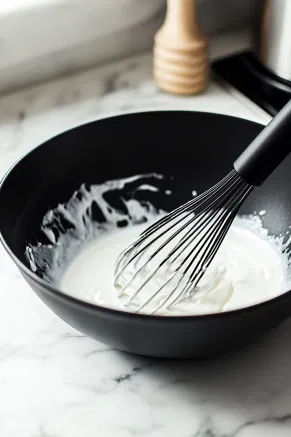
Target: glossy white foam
x=247, y=269
x=79, y=257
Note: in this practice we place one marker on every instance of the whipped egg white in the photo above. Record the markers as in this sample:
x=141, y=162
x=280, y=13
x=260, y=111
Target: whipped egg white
x=246, y=270
x=81, y=240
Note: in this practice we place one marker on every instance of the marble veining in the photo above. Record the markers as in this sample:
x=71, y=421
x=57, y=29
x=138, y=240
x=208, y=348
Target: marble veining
x=54, y=382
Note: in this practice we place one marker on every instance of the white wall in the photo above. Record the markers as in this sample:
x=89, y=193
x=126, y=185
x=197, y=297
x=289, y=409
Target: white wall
x=44, y=38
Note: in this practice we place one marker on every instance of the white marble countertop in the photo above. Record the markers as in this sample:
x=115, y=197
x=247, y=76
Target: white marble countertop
x=54, y=382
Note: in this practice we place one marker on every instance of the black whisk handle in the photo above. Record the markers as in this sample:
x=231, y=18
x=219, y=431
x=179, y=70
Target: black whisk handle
x=268, y=149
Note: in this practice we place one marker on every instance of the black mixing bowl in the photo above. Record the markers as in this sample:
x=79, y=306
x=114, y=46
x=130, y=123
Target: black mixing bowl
x=196, y=149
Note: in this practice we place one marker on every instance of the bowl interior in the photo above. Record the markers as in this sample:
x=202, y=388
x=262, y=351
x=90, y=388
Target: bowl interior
x=196, y=149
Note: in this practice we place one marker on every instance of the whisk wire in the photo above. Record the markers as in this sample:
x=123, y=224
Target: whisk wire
x=192, y=235
x=208, y=254
x=200, y=266
x=207, y=195
x=164, y=221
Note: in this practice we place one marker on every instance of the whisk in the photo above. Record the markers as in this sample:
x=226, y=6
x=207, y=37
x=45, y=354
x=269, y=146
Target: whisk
x=168, y=260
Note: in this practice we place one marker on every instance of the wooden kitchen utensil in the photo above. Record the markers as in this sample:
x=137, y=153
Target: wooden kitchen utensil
x=180, y=51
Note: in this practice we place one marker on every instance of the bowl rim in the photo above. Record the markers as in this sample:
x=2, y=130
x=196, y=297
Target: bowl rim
x=60, y=294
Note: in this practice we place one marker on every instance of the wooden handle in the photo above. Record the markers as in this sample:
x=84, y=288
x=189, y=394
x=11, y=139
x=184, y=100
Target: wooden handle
x=180, y=51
